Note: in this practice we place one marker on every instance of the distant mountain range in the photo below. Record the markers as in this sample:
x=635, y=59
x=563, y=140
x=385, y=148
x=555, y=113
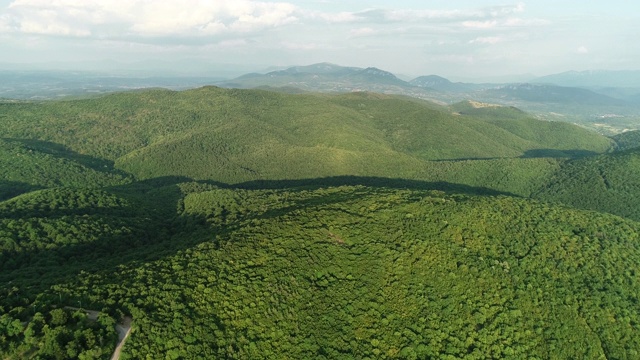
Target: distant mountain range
x=593, y=79
x=560, y=88
x=552, y=94
x=608, y=101
x=325, y=77
x=624, y=85
x=555, y=97
x=439, y=83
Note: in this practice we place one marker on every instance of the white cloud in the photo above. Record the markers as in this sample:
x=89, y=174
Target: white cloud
x=300, y=46
x=233, y=43
x=5, y=23
x=491, y=40
x=212, y=21
x=144, y=18
x=361, y=32
x=583, y=50
x=506, y=10
x=480, y=24
x=341, y=17
x=514, y=22
x=380, y=15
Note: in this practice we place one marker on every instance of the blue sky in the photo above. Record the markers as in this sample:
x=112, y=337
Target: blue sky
x=455, y=39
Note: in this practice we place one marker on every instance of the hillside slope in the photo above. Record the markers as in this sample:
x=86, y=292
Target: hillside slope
x=241, y=135
x=27, y=164
x=248, y=224
x=627, y=140
x=605, y=183
x=344, y=272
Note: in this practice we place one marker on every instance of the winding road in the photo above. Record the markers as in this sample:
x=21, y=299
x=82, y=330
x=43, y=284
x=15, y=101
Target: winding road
x=123, y=329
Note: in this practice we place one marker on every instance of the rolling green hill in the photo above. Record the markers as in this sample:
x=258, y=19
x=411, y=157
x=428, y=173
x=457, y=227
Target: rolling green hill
x=241, y=135
x=332, y=273
x=239, y=224
x=28, y=164
x=627, y=140
x=604, y=183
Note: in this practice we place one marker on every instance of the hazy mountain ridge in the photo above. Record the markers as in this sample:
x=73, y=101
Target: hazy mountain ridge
x=325, y=77
x=588, y=106
x=439, y=83
x=608, y=109
x=594, y=79
x=317, y=69
x=552, y=94
x=624, y=85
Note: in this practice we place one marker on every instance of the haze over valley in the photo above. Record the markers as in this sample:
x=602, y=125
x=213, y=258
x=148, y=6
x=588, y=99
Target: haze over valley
x=604, y=101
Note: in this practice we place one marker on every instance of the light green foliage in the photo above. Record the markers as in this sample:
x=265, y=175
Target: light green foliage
x=56, y=336
x=240, y=135
x=558, y=139
x=356, y=271
x=513, y=176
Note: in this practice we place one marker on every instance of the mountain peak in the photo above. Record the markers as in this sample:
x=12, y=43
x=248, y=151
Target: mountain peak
x=323, y=68
x=430, y=81
x=377, y=72
x=438, y=83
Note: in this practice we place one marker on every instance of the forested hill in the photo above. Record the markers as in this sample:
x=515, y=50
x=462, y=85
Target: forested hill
x=326, y=273
x=248, y=224
x=30, y=164
x=240, y=135
x=605, y=183
x=627, y=140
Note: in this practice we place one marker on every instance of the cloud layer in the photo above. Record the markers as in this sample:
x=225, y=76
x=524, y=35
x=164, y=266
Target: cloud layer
x=143, y=18
x=404, y=35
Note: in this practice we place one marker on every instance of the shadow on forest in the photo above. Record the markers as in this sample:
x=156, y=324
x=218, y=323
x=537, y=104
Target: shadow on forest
x=60, y=151
x=532, y=154
x=370, y=181
x=159, y=228
x=553, y=153
x=9, y=189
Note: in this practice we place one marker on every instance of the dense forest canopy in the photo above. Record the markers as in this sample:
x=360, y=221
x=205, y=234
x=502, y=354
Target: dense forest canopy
x=254, y=224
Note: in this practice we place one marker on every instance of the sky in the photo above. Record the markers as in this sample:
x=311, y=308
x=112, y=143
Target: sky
x=456, y=39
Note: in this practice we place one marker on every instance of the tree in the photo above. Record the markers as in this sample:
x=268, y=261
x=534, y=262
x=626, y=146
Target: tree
x=58, y=317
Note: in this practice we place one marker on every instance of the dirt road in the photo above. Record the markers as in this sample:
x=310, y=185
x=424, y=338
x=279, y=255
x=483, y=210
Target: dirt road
x=123, y=330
